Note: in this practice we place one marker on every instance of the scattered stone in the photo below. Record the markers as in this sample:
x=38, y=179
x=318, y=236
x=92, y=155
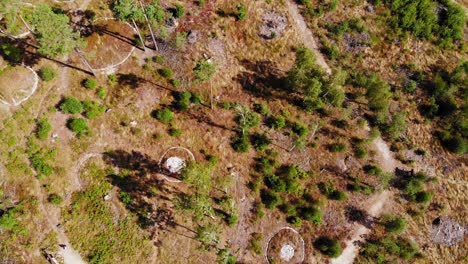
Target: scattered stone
x=193, y=36
x=273, y=25
x=172, y=22
x=287, y=252
x=133, y=123
x=174, y=164
x=370, y=8
x=446, y=231
x=107, y=197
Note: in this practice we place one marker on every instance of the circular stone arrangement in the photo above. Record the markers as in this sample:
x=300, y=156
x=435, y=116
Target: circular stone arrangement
x=173, y=161
x=17, y=84
x=110, y=46
x=285, y=246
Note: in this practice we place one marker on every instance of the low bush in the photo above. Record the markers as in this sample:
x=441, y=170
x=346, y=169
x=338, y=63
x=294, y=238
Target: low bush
x=311, y=214
x=71, y=105
x=165, y=115
x=43, y=128
x=175, y=132
x=328, y=246
x=394, y=224
x=204, y=70
x=90, y=83
x=260, y=141
x=47, y=73
x=166, y=72
x=270, y=199
x=278, y=122
x=179, y=10
x=182, y=100
x=93, y=109
x=240, y=143
x=337, y=147
x=78, y=125
x=55, y=199
x=241, y=12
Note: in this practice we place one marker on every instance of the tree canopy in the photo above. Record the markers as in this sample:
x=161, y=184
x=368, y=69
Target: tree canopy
x=53, y=32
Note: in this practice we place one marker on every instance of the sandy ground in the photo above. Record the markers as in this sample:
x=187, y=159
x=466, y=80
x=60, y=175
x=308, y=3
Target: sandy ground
x=307, y=36
x=373, y=206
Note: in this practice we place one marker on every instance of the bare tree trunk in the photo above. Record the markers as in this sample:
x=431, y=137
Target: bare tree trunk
x=25, y=24
x=149, y=26
x=139, y=34
x=211, y=95
x=85, y=62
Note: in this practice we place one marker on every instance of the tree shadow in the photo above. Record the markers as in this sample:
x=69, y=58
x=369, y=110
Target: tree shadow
x=354, y=214
x=138, y=185
x=263, y=79
x=129, y=79
x=29, y=54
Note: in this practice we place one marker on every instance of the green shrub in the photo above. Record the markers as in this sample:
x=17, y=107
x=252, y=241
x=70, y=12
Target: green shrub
x=410, y=87
x=126, y=198
x=43, y=128
x=262, y=108
x=241, y=143
x=338, y=147
x=241, y=12
x=270, y=199
x=101, y=93
x=90, y=83
x=276, y=122
x=112, y=79
x=232, y=220
x=311, y=214
x=328, y=246
x=12, y=53
x=275, y=183
x=338, y=195
x=196, y=99
x=175, y=132
x=182, y=100
x=179, y=10
x=294, y=220
x=394, y=224
x=165, y=115
x=55, y=199
x=93, y=109
x=300, y=129
x=165, y=72
x=78, y=125
x=47, y=73
x=204, y=70
x=255, y=243
x=424, y=197
x=260, y=141
x=71, y=105
x=40, y=165
x=175, y=82
x=332, y=52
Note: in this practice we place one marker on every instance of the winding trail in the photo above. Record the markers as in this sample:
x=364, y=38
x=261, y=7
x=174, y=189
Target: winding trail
x=306, y=33
x=373, y=206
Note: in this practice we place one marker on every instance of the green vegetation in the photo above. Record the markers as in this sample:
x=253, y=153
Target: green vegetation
x=55, y=199
x=43, y=128
x=388, y=249
x=93, y=109
x=241, y=12
x=11, y=53
x=256, y=243
x=71, y=105
x=90, y=83
x=309, y=79
x=179, y=10
x=53, y=32
x=78, y=125
x=165, y=72
x=420, y=17
x=165, y=115
x=204, y=70
x=394, y=224
x=90, y=219
x=328, y=246
x=47, y=73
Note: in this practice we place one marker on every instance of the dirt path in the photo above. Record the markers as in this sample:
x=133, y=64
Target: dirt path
x=373, y=205
x=307, y=36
